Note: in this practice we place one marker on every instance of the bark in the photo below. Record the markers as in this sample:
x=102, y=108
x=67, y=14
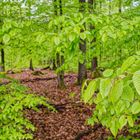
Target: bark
x=60, y=59
x=2, y=68
x=54, y=67
x=31, y=65
x=94, y=61
x=60, y=74
x=94, y=64
x=82, y=73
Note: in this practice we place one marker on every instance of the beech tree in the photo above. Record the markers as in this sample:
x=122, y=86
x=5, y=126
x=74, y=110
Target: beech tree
x=82, y=73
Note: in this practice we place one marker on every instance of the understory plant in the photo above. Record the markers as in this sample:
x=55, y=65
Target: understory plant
x=13, y=100
x=116, y=95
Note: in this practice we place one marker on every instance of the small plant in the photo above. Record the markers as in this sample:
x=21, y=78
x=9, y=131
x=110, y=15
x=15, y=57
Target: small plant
x=13, y=100
x=116, y=95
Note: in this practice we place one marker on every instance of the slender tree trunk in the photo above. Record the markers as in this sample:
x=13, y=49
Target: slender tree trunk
x=2, y=61
x=120, y=6
x=54, y=65
x=94, y=61
x=120, y=11
x=60, y=59
x=94, y=64
x=31, y=65
x=82, y=73
x=31, y=61
x=109, y=8
x=60, y=74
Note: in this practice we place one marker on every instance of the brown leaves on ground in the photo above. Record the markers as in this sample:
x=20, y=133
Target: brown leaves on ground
x=70, y=119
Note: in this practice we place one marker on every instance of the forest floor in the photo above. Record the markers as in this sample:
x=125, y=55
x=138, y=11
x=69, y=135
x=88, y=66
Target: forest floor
x=69, y=122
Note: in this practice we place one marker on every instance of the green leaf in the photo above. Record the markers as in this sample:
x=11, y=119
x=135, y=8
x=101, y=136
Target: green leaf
x=122, y=121
x=56, y=40
x=128, y=94
x=130, y=121
x=40, y=38
x=104, y=37
x=71, y=37
x=114, y=128
x=108, y=73
x=127, y=63
x=83, y=36
x=116, y=91
x=136, y=81
x=89, y=92
x=105, y=86
x=6, y=38
x=135, y=107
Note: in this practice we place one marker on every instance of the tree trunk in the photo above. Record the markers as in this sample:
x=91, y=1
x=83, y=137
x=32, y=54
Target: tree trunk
x=120, y=6
x=54, y=66
x=60, y=59
x=2, y=68
x=94, y=61
x=31, y=65
x=94, y=64
x=82, y=73
x=60, y=74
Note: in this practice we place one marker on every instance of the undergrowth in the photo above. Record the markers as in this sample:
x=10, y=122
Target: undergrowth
x=13, y=100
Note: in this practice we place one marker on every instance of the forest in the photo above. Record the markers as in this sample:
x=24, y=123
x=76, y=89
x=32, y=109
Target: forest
x=69, y=69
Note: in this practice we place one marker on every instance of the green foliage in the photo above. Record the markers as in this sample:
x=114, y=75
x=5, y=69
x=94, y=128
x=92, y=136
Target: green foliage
x=117, y=96
x=13, y=100
x=33, y=30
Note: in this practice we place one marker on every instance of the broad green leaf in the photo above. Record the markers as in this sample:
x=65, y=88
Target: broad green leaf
x=89, y=92
x=6, y=38
x=6, y=26
x=108, y=73
x=77, y=30
x=71, y=37
x=130, y=121
x=119, y=107
x=105, y=86
x=104, y=37
x=98, y=99
x=128, y=94
x=40, y=38
x=136, y=81
x=56, y=40
x=116, y=91
x=138, y=52
x=122, y=121
x=127, y=63
x=114, y=127
x=83, y=36
x=135, y=107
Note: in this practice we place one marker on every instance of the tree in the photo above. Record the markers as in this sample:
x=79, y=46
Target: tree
x=82, y=73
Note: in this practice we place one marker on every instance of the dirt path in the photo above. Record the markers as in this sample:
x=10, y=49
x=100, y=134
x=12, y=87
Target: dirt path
x=70, y=119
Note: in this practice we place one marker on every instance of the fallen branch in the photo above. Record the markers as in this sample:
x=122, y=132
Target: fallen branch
x=61, y=107
x=87, y=132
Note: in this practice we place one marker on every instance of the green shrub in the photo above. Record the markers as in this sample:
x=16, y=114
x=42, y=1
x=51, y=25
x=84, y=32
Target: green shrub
x=116, y=95
x=13, y=100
